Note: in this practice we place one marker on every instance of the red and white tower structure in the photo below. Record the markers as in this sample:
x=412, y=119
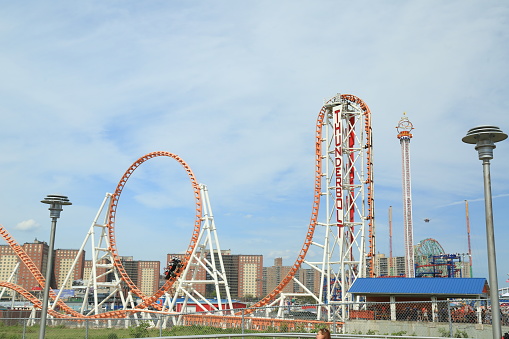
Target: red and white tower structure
x=404, y=128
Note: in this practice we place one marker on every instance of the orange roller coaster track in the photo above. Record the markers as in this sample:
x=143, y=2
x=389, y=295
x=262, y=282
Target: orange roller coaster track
x=147, y=300
x=150, y=301
x=318, y=190
x=344, y=232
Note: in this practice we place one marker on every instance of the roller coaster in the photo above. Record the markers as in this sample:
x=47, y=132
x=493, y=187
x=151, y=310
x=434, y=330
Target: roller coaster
x=341, y=230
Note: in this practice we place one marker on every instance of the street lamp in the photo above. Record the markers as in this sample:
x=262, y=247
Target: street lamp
x=56, y=202
x=484, y=137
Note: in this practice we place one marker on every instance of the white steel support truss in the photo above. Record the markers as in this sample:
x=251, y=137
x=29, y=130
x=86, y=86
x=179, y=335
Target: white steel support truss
x=102, y=266
x=343, y=213
x=207, y=257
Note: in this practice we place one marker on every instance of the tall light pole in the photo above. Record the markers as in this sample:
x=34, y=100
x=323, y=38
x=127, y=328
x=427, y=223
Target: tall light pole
x=484, y=137
x=56, y=202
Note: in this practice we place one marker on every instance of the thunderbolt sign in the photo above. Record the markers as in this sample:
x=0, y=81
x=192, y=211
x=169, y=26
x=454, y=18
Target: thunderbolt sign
x=338, y=163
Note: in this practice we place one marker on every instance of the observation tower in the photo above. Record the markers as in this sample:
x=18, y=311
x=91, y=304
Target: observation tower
x=404, y=128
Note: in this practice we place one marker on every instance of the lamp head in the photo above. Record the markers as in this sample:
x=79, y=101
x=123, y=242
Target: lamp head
x=484, y=137
x=56, y=202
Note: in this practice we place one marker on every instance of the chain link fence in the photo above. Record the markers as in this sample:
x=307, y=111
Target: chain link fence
x=452, y=318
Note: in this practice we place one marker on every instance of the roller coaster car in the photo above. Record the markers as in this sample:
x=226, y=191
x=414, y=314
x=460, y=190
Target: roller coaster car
x=173, y=268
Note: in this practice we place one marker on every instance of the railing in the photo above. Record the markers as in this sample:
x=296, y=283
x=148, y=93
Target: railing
x=452, y=318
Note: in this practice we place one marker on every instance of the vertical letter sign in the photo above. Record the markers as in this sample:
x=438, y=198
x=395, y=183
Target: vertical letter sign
x=338, y=163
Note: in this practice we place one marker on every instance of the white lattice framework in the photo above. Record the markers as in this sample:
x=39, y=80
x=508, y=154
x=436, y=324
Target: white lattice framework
x=102, y=259
x=340, y=241
x=206, y=257
x=345, y=193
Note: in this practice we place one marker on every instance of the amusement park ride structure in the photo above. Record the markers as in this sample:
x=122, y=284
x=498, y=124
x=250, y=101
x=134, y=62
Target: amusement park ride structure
x=433, y=262
x=404, y=128
x=341, y=229
x=344, y=225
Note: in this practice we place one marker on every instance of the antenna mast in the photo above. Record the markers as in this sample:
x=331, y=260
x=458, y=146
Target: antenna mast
x=468, y=237
x=391, y=273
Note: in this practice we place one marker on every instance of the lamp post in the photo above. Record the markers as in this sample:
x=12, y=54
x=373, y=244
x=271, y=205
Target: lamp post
x=56, y=202
x=484, y=137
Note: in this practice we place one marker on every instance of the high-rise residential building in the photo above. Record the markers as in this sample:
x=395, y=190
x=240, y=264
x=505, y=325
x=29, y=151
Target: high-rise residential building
x=310, y=278
x=199, y=273
x=389, y=267
x=243, y=273
x=250, y=276
x=273, y=275
x=149, y=273
x=382, y=266
x=144, y=274
x=231, y=268
x=101, y=270
x=8, y=262
x=131, y=268
x=398, y=265
x=38, y=252
x=64, y=258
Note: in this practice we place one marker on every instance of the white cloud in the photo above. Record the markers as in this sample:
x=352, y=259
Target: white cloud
x=27, y=225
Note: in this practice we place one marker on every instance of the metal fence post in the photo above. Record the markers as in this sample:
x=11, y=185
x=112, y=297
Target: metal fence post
x=450, y=318
x=242, y=322
x=86, y=328
x=160, y=325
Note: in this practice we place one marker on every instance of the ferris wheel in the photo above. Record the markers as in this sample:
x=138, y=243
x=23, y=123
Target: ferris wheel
x=425, y=252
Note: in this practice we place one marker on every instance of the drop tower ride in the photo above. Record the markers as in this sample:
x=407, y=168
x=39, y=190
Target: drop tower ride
x=404, y=128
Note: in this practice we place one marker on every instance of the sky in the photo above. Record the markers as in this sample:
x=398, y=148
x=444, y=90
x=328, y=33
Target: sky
x=234, y=89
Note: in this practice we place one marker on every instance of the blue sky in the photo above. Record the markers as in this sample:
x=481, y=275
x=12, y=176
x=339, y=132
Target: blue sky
x=234, y=89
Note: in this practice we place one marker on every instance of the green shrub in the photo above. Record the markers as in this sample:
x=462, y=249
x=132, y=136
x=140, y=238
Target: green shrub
x=460, y=334
x=443, y=332
x=140, y=331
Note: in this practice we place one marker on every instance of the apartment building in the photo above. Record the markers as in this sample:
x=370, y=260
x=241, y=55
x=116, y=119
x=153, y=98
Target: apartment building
x=101, y=271
x=244, y=274
x=8, y=262
x=64, y=259
x=38, y=252
x=273, y=275
x=149, y=273
x=144, y=274
x=250, y=276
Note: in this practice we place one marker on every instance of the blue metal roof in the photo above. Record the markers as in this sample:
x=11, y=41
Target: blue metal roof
x=448, y=286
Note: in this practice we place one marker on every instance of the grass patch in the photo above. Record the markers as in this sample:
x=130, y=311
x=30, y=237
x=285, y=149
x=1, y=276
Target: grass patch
x=140, y=331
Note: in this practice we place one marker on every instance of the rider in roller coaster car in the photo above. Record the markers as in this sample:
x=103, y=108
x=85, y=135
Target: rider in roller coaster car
x=173, y=266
